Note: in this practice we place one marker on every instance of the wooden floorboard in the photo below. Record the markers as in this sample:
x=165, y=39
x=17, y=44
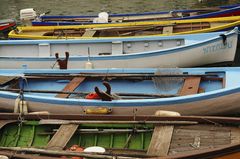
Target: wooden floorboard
x=161, y=140
x=62, y=136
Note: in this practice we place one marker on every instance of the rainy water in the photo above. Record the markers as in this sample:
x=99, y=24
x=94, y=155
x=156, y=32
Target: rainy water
x=11, y=8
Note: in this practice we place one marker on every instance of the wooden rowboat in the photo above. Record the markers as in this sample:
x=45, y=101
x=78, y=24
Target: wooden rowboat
x=169, y=51
x=152, y=28
x=124, y=137
x=194, y=91
x=222, y=11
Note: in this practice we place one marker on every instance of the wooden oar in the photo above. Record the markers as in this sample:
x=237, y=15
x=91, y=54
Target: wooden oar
x=70, y=153
x=55, y=121
x=86, y=93
x=101, y=131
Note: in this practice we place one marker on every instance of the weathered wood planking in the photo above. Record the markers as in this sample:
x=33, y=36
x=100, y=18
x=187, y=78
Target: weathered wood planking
x=235, y=155
x=200, y=137
x=71, y=86
x=62, y=136
x=235, y=135
x=168, y=30
x=6, y=79
x=89, y=33
x=160, y=141
x=190, y=86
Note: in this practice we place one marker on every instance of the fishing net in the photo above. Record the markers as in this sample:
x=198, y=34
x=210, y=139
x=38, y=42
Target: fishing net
x=166, y=84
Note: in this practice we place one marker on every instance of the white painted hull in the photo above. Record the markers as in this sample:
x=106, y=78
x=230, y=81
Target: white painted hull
x=203, y=53
x=224, y=105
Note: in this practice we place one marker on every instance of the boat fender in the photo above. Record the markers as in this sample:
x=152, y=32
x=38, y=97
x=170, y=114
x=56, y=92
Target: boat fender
x=98, y=110
x=224, y=38
x=40, y=113
x=94, y=149
x=3, y=157
x=20, y=106
x=88, y=65
x=166, y=113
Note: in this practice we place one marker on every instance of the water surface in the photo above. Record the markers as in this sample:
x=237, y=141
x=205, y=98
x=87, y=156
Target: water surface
x=11, y=8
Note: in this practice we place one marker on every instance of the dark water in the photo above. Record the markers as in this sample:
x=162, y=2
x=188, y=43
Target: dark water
x=11, y=8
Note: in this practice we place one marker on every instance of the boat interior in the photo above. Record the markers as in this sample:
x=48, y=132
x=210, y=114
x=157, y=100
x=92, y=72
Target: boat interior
x=148, y=136
x=164, y=83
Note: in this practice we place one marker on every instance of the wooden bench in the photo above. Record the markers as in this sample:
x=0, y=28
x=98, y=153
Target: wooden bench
x=190, y=86
x=6, y=79
x=167, y=29
x=71, y=86
x=62, y=136
x=89, y=33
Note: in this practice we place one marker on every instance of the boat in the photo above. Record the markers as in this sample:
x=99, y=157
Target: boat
x=125, y=137
x=218, y=48
x=6, y=25
x=136, y=29
x=222, y=11
x=189, y=91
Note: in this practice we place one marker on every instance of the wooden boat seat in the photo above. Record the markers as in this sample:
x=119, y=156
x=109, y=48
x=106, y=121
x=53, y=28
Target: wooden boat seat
x=190, y=86
x=6, y=79
x=160, y=141
x=167, y=29
x=62, y=136
x=71, y=86
x=89, y=33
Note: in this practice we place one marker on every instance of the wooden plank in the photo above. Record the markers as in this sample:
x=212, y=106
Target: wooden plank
x=235, y=135
x=167, y=29
x=61, y=122
x=89, y=33
x=5, y=122
x=62, y=136
x=190, y=86
x=6, y=79
x=229, y=156
x=161, y=140
x=71, y=86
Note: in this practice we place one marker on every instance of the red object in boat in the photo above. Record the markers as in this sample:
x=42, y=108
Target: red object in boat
x=92, y=96
x=74, y=148
x=6, y=24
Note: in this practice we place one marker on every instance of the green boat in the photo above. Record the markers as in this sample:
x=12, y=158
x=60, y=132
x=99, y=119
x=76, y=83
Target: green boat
x=53, y=136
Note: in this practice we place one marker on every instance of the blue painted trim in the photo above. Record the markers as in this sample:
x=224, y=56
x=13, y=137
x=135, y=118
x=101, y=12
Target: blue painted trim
x=211, y=14
x=228, y=10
